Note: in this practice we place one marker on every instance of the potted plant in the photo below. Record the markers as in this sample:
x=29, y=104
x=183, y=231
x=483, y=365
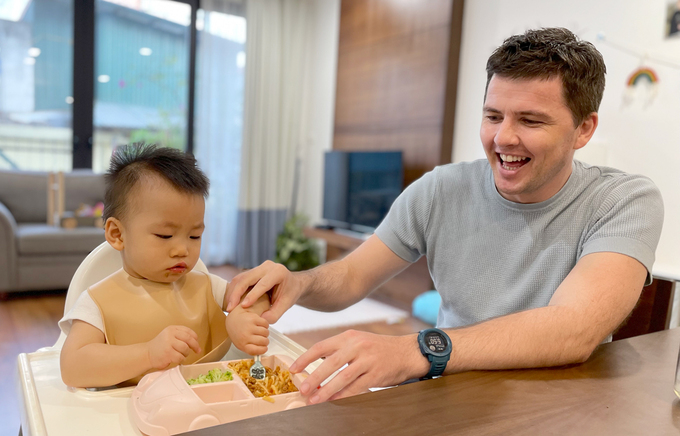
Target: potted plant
x=293, y=249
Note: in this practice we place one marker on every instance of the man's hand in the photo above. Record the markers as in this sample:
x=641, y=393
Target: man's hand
x=372, y=361
x=284, y=285
x=248, y=331
x=172, y=345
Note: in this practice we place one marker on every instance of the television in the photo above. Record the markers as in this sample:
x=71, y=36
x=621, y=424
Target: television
x=360, y=187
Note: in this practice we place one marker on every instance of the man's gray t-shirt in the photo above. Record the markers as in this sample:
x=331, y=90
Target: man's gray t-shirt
x=489, y=256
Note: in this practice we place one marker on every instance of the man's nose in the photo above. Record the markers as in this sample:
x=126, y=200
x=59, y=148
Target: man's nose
x=506, y=135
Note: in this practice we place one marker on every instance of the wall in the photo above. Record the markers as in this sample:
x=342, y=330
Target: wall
x=639, y=137
x=393, y=61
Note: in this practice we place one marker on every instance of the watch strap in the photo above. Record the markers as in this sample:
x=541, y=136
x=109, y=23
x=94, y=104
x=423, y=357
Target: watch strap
x=437, y=366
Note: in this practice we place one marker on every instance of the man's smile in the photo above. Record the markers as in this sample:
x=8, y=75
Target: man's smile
x=512, y=163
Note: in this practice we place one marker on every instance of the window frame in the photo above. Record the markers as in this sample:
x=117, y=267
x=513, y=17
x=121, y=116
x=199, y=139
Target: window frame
x=83, y=80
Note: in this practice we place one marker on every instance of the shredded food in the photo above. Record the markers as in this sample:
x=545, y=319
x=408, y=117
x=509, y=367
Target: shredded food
x=277, y=381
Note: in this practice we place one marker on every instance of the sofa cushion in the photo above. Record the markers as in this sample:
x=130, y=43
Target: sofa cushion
x=25, y=192
x=41, y=239
x=25, y=195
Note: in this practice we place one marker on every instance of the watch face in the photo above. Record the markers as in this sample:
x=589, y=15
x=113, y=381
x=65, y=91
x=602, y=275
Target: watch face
x=436, y=342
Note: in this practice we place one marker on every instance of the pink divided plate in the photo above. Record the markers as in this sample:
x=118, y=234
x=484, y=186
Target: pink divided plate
x=163, y=403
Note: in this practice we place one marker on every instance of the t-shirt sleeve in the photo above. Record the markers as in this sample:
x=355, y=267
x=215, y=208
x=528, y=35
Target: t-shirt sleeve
x=85, y=309
x=404, y=229
x=219, y=288
x=628, y=222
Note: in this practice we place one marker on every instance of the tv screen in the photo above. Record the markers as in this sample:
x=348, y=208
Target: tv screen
x=360, y=187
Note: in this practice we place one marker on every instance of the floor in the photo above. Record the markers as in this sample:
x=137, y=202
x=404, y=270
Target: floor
x=28, y=321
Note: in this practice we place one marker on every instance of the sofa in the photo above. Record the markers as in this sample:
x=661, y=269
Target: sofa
x=34, y=255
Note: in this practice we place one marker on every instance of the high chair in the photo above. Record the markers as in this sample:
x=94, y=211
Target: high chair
x=100, y=263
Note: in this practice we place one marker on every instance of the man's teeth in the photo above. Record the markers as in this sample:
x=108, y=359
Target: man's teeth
x=508, y=158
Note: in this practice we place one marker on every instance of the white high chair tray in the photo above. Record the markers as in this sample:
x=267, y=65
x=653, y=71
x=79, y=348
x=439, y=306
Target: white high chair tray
x=50, y=407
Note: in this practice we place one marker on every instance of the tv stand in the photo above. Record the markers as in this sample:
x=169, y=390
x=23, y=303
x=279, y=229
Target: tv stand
x=398, y=291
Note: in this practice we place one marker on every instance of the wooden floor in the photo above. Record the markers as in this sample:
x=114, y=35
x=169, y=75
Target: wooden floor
x=28, y=321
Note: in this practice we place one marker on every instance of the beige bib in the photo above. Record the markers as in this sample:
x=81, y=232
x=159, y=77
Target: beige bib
x=137, y=310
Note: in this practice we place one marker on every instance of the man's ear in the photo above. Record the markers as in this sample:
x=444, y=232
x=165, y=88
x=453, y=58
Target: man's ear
x=113, y=230
x=586, y=130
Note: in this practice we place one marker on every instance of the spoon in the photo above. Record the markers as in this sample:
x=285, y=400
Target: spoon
x=257, y=371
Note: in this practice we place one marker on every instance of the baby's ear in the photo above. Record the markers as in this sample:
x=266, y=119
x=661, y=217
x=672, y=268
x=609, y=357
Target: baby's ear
x=113, y=230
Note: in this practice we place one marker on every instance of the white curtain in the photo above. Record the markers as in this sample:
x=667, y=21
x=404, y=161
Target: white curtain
x=219, y=121
x=277, y=56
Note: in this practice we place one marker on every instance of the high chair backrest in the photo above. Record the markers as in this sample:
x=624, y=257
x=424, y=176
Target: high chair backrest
x=100, y=263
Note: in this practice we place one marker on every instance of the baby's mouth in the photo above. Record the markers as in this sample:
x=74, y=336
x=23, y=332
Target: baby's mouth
x=180, y=267
x=512, y=163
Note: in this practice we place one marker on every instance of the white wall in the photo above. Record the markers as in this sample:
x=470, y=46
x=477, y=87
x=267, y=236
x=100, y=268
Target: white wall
x=319, y=107
x=638, y=138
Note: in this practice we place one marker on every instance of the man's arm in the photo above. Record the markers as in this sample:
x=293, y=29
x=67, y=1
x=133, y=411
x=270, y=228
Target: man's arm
x=329, y=287
x=591, y=302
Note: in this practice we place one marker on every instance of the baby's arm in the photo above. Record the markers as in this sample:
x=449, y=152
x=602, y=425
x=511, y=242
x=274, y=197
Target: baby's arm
x=88, y=361
x=247, y=329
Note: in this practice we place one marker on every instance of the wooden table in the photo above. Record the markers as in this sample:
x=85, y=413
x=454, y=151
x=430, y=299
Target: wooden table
x=625, y=388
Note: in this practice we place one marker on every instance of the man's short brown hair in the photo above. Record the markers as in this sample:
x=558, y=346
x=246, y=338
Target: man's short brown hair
x=553, y=52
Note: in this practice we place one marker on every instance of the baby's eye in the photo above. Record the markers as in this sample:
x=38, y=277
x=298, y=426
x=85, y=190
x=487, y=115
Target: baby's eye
x=164, y=236
x=195, y=237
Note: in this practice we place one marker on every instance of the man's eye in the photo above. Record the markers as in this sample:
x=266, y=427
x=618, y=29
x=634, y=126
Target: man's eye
x=164, y=236
x=532, y=122
x=493, y=118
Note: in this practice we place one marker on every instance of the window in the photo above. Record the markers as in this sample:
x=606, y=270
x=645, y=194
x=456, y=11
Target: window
x=36, y=60
x=141, y=75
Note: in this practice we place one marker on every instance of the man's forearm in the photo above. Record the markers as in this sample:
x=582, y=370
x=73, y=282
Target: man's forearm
x=329, y=287
x=542, y=337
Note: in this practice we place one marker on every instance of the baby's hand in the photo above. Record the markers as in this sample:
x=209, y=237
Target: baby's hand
x=248, y=331
x=172, y=345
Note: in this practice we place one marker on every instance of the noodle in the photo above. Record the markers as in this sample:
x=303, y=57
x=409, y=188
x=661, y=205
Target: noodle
x=277, y=381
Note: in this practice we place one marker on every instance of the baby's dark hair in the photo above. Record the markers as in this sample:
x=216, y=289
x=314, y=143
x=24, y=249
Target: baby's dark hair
x=132, y=162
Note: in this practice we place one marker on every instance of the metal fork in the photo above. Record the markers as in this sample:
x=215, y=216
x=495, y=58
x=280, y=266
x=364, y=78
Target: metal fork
x=257, y=371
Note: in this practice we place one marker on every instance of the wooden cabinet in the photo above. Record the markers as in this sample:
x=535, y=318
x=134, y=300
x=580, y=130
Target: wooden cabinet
x=400, y=290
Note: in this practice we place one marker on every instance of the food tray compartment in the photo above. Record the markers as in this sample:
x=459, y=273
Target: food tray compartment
x=163, y=403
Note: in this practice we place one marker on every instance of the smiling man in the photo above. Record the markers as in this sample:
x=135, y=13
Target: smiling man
x=538, y=258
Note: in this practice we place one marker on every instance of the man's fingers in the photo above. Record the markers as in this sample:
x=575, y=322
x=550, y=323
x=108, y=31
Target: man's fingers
x=358, y=386
x=275, y=312
x=262, y=287
x=317, y=351
x=341, y=381
x=331, y=364
x=237, y=287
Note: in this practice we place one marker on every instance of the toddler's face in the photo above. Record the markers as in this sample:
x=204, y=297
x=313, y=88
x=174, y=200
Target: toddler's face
x=161, y=231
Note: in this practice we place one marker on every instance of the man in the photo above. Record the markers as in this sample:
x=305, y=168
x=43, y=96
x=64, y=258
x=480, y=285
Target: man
x=537, y=257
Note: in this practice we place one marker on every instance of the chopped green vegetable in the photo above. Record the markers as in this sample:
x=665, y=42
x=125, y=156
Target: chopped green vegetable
x=214, y=375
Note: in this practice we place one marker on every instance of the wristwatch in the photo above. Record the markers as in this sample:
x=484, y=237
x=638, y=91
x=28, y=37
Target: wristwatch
x=436, y=347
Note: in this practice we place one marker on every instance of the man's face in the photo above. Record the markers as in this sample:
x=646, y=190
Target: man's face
x=529, y=137
x=161, y=231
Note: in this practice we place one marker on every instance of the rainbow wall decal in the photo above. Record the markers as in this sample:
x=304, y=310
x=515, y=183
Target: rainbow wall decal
x=643, y=73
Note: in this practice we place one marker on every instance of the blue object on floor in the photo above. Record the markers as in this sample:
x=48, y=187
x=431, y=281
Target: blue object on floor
x=426, y=306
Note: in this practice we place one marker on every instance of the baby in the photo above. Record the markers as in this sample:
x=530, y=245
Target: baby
x=155, y=312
